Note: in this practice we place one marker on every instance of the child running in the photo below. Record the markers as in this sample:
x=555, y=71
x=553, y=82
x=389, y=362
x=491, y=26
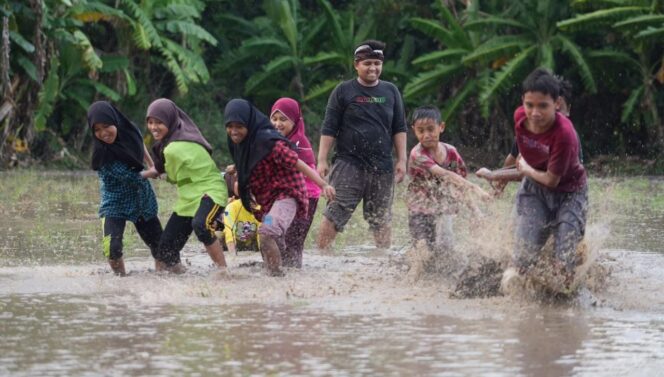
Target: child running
x=286, y=117
x=553, y=197
x=184, y=155
x=118, y=156
x=269, y=175
x=240, y=225
x=438, y=185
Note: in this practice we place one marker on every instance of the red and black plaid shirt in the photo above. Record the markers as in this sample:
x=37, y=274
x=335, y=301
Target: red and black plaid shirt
x=275, y=177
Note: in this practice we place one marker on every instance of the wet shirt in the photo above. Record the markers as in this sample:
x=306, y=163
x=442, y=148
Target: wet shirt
x=275, y=177
x=240, y=226
x=363, y=120
x=556, y=150
x=124, y=193
x=428, y=193
x=190, y=167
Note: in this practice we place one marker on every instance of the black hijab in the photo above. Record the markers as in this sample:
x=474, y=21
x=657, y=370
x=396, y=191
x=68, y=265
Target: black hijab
x=128, y=145
x=180, y=128
x=258, y=144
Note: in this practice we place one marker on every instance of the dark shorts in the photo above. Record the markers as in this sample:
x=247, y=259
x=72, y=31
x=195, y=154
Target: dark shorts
x=542, y=213
x=352, y=185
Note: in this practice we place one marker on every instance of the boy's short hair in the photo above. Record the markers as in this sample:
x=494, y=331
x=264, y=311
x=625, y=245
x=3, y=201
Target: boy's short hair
x=543, y=81
x=565, y=89
x=425, y=112
x=373, y=43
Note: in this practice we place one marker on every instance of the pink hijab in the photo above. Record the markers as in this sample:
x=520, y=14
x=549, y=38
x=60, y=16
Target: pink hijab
x=291, y=109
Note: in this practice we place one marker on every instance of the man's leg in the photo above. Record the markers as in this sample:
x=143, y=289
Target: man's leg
x=377, y=207
x=348, y=182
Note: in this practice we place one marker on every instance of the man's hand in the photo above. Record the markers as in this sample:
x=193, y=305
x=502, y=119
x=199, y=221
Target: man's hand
x=323, y=168
x=399, y=171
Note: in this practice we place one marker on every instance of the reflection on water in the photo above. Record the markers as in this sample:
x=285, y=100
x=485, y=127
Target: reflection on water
x=71, y=335
x=349, y=314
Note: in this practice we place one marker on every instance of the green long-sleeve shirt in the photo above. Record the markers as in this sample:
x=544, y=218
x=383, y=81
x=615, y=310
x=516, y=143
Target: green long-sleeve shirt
x=189, y=166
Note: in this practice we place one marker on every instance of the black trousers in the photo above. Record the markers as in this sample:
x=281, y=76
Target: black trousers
x=179, y=228
x=149, y=230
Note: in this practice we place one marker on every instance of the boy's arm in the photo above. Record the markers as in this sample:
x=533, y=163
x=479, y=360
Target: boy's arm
x=458, y=180
x=328, y=191
x=545, y=178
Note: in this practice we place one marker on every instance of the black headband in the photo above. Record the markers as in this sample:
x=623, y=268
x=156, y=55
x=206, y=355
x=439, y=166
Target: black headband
x=367, y=52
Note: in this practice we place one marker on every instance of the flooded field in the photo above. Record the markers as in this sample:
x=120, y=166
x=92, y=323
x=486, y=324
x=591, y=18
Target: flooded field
x=354, y=312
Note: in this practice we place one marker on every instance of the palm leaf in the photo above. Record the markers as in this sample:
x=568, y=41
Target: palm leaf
x=604, y=16
x=21, y=42
x=577, y=56
x=269, y=70
x=650, y=33
x=260, y=43
x=100, y=88
x=47, y=95
x=324, y=57
x=176, y=70
x=28, y=66
x=190, y=29
x=90, y=58
x=505, y=76
x=546, y=57
x=145, y=33
x=182, y=10
x=497, y=47
x=439, y=55
x=131, y=82
x=333, y=20
x=645, y=20
x=631, y=103
x=454, y=103
x=113, y=63
x=435, y=30
x=482, y=23
x=321, y=89
x=428, y=81
x=618, y=57
x=193, y=65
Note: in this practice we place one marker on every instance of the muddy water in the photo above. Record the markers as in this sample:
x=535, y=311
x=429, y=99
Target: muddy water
x=351, y=313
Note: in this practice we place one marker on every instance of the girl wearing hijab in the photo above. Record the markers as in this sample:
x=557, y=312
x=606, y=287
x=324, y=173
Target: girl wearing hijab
x=270, y=176
x=184, y=155
x=118, y=156
x=286, y=117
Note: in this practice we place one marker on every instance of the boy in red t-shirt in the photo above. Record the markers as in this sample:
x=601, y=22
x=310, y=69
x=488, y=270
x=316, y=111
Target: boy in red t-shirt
x=553, y=197
x=437, y=187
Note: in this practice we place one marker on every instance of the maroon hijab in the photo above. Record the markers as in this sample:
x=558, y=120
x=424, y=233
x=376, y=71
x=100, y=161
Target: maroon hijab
x=180, y=128
x=291, y=109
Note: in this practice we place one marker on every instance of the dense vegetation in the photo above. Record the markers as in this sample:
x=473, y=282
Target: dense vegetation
x=468, y=57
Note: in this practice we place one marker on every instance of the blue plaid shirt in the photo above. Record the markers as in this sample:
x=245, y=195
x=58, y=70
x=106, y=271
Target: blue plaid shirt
x=125, y=194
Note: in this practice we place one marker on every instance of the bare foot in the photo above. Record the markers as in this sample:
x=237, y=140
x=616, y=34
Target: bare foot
x=177, y=269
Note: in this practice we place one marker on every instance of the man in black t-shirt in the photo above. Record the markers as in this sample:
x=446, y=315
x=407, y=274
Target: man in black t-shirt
x=365, y=116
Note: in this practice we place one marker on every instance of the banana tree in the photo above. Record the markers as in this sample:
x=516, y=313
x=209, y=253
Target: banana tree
x=527, y=36
x=640, y=25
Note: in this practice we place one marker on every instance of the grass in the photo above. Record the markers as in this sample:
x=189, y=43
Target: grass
x=51, y=217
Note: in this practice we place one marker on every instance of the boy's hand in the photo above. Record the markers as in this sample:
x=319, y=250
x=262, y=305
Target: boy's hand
x=329, y=192
x=483, y=173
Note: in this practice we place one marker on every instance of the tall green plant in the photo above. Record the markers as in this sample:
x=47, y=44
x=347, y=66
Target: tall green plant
x=640, y=24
